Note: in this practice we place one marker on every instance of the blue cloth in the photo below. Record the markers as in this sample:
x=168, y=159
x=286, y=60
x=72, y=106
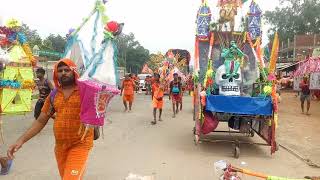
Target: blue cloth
x=240, y=105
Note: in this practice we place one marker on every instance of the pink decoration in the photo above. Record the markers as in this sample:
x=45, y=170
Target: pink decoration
x=210, y=122
x=95, y=98
x=310, y=65
x=272, y=77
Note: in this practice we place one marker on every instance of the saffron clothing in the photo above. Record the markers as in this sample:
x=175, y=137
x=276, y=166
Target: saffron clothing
x=71, y=153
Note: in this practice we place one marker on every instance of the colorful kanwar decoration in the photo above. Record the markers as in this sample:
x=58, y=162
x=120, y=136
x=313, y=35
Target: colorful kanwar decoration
x=16, y=79
x=92, y=47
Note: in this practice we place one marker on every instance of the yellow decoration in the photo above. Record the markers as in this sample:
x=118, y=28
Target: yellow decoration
x=17, y=54
x=10, y=73
x=12, y=23
x=28, y=53
x=17, y=73
x=26, y=73
x=274, y=54
x=267, y=90
x=28, y=84
x=276, y=119
x=15, y=100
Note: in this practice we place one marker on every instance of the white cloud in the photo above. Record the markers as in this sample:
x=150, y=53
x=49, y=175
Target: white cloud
x=158, y=24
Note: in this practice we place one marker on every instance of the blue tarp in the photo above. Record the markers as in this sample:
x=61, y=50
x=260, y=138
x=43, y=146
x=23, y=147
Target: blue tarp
x=240, y=105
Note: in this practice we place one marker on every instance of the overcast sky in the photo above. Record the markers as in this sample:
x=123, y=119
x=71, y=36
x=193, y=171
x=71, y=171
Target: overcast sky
x=157, y=24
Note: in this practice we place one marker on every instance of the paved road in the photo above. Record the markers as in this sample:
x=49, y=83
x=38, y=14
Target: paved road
x=166, y=150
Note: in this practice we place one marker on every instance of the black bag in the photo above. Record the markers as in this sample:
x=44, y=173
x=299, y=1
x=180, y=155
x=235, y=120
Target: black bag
x=96, y=133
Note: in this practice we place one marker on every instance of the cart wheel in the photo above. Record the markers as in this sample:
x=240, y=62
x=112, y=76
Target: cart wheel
x=236, y=152
x=251, y=133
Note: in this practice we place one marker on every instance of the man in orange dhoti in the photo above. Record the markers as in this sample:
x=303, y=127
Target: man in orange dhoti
x=157, y=98
x=71, y=153
x=127, y=89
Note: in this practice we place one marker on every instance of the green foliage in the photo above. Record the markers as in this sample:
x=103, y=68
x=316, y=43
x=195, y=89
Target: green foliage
x=131, y=54
x=52, y=42
x=294, y=17
x=55, y=43
x=32, y=35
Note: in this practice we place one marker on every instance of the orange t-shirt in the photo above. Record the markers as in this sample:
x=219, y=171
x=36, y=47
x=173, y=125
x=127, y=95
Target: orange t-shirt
x=67, y=122
x=158, y=94
x=155, y=86
x=128, y=87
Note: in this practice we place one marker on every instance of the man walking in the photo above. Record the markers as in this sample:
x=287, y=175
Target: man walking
x=127, y=90
x=175, y=94
x=305, y=94
x=71, y=152
x=44, y=87
x=157, y=98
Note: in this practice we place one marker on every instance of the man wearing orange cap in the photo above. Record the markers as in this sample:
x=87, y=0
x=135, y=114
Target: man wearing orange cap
x=127, y=89
x=71, y=152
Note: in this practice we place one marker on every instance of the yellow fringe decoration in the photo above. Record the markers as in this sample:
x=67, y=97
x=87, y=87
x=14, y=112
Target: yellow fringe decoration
x=276, y=119
x=274, y=54
x=28, y=52
x=28, y=84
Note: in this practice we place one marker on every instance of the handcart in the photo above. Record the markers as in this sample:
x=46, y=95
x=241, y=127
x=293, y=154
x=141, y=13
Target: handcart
x=244, y=115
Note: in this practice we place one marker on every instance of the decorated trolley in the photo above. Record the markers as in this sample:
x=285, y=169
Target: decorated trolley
x=16, y=71
x=233, y=82
x=93, y=49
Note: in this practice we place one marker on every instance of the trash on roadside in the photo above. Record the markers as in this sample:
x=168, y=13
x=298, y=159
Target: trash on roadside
x=138, y=177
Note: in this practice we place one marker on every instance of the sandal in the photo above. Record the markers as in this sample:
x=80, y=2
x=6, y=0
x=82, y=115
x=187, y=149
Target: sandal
x=153, y=122
x=5, y=170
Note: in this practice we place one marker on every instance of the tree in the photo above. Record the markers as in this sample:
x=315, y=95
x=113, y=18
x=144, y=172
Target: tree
x=32, y=36
x=52, y=42
x=131, y=54
x=155, y=61
x=58, y=42
x=294, y=17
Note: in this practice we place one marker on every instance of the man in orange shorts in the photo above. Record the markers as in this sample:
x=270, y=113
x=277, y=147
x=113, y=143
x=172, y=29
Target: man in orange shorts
x=157, y=98
x=71, y=152
x=127, y=89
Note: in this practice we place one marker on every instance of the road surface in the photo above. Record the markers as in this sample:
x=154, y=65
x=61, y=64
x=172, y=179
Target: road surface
x=166, y=151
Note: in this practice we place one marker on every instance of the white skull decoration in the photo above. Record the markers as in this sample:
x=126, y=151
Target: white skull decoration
x=228, y=86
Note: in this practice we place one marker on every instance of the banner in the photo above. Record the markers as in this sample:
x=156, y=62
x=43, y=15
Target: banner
x=315, y=80
x=296, y=82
